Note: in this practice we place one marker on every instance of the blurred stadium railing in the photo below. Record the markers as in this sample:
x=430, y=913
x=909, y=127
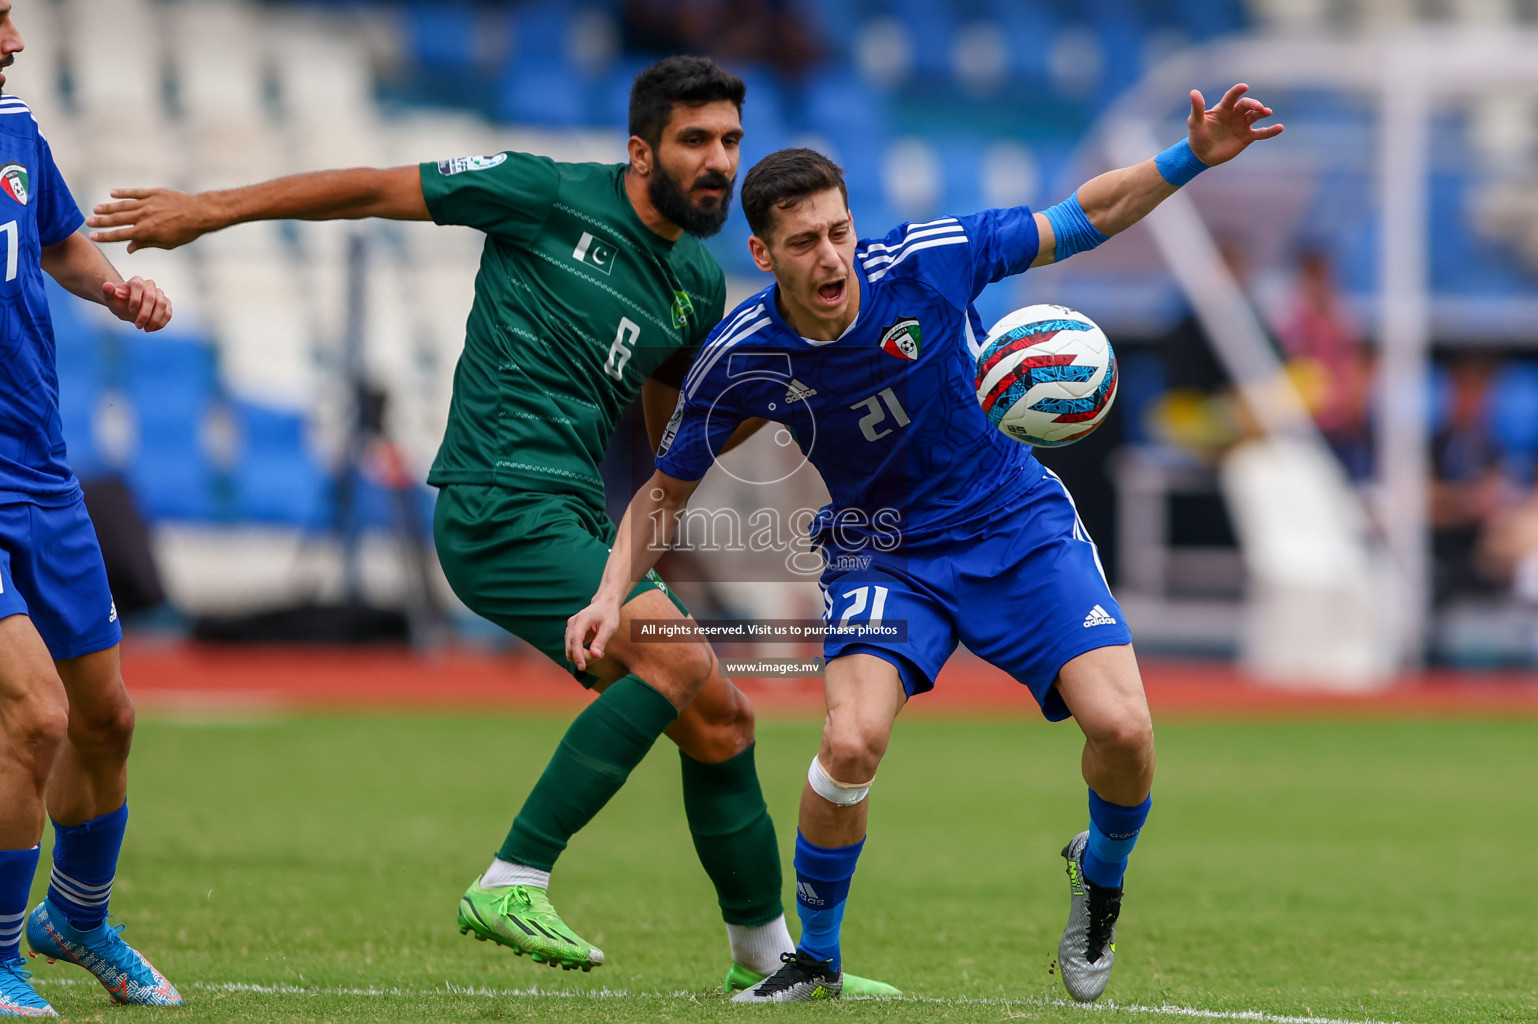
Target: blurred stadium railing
x=233, y=428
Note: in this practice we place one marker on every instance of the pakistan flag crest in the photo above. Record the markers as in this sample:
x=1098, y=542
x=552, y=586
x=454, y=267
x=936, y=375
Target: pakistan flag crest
x=683, y=308
x=902, y=339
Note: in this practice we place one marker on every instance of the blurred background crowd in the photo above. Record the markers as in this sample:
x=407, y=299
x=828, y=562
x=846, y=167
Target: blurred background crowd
x=273, y=441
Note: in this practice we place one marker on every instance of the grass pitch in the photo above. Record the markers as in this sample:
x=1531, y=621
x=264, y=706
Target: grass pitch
x=307, y=869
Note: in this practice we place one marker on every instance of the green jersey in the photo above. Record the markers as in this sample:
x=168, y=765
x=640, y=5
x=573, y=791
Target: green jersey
x=576, y=302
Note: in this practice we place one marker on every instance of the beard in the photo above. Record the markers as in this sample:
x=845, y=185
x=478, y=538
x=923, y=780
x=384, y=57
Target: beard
x=673, y=202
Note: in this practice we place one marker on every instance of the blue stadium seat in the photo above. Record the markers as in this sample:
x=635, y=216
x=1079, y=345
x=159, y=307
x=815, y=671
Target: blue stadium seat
x=932, y=26
x=1460, y=261
x=764, y=113
x=1028, y=30
x=442, y=36
x=542, y=91
x=539, y=30
x=277, y=480
x=610, y=96
x=1204, y=19
x=170, y=383
x=1123, y=41
x=838, y=104
x=961, y=161
x=833, y=23
x=1514, y=414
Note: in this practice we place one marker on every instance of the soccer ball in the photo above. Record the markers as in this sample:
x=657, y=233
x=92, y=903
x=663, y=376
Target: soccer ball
x=1046, y=375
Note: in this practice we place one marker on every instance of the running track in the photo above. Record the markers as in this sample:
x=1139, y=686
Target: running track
x=283, y=678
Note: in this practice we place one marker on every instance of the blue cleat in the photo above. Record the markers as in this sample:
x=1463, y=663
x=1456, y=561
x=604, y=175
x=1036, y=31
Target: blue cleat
x=17, y=996
x=122, y=970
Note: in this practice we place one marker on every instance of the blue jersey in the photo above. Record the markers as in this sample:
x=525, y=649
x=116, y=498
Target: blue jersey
x=36, y=210
x=888, y=411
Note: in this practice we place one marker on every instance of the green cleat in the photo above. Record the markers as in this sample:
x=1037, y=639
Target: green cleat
x=521, y=918
x=739, y=977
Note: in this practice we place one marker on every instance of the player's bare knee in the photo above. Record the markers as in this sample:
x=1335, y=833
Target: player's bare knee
x=852, y=752
x=105, y=731
x=717, y=730
x=677, y=671
x=34, y=730
x=736, y=723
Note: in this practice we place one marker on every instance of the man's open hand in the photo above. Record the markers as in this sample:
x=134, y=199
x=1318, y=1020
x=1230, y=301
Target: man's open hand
x=147, y=218
x=1222, y=133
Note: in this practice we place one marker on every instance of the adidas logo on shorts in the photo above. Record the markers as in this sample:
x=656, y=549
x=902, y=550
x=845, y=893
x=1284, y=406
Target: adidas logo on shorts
x=1098, y=616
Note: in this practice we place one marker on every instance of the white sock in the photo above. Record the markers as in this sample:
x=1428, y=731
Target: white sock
x=505, y=872
x=758, y=949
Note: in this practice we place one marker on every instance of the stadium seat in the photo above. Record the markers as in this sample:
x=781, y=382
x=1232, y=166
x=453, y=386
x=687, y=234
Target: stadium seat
x=277, y=480
x=442, y=37
x=1028, y=31
x=540, y=31
x=610, y=103
x=931, y=25
x=763, y=116
x=961, y=167
x=1204, y=19
x=542, y=90
x=840, y=105
x=1514, y=415
x=168, y=384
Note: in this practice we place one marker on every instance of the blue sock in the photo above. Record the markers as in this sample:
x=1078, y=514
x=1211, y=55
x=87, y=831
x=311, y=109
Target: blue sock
x=822, y=885
x=1113, y=833
x=16, y=870
x=84, y=864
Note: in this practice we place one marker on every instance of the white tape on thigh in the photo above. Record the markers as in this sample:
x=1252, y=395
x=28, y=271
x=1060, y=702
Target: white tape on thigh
x=841, y=794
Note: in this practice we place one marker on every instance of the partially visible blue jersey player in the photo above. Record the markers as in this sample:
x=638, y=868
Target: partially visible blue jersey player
x=66, y=720
x=941, y=528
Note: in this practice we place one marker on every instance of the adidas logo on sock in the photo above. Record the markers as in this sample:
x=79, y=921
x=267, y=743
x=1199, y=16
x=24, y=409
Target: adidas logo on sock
x=798, y=392
x=807, y=894
x=1098, y=616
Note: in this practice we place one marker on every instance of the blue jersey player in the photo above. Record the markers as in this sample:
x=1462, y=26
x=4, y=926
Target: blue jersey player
x=66, y=720
x=941, y=529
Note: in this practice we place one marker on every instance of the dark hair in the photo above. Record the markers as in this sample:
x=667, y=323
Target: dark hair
x=782, y=179
x=692, y=81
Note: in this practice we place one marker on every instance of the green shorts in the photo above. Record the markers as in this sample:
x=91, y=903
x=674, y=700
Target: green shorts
x=526, y=560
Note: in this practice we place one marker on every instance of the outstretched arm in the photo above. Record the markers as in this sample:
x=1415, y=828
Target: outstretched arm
x=161, y=218
x=84, y=270
x=652, y=517
x=1112, y=202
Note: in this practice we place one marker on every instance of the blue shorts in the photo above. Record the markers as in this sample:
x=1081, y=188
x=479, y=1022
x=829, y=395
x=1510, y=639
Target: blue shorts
x=1025, y=592
x=51, y=571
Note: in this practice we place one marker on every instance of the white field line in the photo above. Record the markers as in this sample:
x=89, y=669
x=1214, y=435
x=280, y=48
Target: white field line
x=1188, y=1012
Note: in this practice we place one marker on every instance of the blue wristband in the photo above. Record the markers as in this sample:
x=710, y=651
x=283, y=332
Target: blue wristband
x=1071, y=228
x=1178, y=164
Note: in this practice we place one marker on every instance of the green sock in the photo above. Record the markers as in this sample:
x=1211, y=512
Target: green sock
x=734, y=837
x=595, y=757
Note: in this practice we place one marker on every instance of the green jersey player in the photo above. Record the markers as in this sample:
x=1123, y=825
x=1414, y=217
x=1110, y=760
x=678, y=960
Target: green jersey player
x=593, y=287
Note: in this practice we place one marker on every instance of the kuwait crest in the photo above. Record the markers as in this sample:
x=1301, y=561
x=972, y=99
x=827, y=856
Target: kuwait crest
x=902, y=339
x=13, y=180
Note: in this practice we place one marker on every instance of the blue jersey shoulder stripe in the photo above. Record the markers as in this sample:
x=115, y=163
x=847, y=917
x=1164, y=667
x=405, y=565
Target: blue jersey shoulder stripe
x=726, y=328
x=943, y=221
x=742, y=331
x=879, y=272
x=914, y=233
